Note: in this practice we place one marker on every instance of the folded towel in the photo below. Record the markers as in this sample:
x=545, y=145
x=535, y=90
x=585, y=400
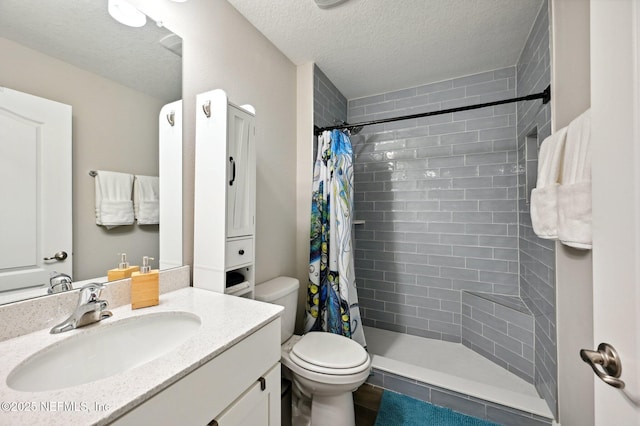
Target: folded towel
x=574, y=221
x=544, y=197
x=574, y=194
x=544, y=211
x=113, y=199
x=146, y=196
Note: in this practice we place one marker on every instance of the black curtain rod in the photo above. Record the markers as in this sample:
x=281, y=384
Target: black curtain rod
x=545, y=96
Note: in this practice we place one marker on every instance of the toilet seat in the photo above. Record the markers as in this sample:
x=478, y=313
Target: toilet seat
x=316, y=352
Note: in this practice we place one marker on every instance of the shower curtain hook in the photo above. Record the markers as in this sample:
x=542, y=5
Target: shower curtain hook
x=206, y=108
x=171, y=118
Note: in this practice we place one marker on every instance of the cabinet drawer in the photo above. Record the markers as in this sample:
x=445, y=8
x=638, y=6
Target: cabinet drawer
x=239, y=252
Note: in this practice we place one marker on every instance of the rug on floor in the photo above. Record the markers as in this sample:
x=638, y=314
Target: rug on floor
x=400, y=410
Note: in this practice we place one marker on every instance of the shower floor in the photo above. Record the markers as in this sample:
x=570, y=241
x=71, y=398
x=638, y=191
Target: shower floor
x=451, y=366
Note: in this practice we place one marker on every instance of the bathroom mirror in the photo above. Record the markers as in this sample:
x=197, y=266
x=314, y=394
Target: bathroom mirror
x=116, y=79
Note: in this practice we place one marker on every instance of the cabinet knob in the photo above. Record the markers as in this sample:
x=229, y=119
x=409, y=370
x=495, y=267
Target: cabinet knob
x=241, y=252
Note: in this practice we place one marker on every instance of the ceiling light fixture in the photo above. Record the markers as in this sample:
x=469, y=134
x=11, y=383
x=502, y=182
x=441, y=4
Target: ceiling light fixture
x=124, y=12
x=326, y=4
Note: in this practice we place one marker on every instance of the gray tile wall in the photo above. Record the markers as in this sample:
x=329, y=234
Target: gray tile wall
x=329, y=105
x=537, y=256
x=500, y=330
x=439, y=197
x=456, y=401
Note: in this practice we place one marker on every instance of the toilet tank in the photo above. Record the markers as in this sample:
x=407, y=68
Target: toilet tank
x=281, y=291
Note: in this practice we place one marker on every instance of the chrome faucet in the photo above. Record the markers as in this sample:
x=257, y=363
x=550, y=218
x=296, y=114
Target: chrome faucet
x=90, y=309
x=59, y=282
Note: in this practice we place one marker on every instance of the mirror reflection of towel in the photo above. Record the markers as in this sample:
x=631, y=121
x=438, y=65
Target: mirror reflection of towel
x=113, y=199
x=146, y=196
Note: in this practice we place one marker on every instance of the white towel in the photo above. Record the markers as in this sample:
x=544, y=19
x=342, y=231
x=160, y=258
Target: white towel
x=544, y=197
x=146, y=200
x=574, y=193
x=113, y=199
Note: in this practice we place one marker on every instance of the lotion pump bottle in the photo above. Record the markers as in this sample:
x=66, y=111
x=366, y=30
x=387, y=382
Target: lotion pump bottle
x=145, y=286
x=124, y=270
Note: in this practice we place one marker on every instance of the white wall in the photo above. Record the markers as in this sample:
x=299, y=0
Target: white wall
x=114, y=128
x=574, y=278
x=222, y=50
x=304, y=178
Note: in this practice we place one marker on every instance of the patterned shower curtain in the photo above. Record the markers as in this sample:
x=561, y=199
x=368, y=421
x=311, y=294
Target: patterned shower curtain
x=332, y=299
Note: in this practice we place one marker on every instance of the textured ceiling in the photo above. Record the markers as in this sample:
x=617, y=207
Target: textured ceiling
x=367, y=47
x=82, y=33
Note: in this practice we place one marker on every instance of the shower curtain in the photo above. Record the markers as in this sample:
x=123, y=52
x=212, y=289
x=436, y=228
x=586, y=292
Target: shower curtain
x=332, y=299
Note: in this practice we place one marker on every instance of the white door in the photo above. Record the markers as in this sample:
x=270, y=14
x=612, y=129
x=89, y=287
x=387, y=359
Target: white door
x=35, y=189
x=615, y=104
x=241, y=173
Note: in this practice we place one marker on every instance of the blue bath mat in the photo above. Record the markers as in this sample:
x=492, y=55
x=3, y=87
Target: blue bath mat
x=400, y=410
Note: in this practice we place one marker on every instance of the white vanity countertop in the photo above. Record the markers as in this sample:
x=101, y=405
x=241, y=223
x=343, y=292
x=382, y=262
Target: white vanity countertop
x=225, y=321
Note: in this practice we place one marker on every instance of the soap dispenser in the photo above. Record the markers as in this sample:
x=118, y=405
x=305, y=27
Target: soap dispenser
x=145, y=288
x=124, y=270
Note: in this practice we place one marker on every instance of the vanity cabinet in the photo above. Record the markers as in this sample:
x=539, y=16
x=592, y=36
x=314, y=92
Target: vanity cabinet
x=225, y=192
x=240, y=386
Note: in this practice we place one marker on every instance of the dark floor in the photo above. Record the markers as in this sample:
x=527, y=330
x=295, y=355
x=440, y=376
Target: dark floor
x=366, y=401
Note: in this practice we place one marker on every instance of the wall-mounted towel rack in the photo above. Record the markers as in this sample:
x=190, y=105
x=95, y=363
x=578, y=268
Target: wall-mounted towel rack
x=93, y=173
x=545, y=96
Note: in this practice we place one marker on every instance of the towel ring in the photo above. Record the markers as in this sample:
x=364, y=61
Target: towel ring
x=171, y=118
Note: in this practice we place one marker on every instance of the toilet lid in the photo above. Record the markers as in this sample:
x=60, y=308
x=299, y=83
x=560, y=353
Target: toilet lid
x=330, y=350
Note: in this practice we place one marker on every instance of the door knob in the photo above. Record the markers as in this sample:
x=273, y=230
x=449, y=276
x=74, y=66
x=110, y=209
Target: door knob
x=605, y=362
x=59, y=256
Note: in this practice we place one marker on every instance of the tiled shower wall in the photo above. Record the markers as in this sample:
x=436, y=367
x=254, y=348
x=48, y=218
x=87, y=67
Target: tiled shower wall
x=439, y=197
x=329, y=105
x=537, y=256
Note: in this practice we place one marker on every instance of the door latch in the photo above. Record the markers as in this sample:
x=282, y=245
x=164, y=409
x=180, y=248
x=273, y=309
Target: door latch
x=605, y=362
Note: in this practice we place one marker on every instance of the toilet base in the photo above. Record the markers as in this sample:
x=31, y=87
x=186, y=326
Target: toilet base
x=336, y=410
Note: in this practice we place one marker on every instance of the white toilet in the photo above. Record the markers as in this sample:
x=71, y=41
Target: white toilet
x=325, y=367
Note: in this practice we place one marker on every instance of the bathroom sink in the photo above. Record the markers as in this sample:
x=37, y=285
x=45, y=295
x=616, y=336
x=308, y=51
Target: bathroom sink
x=103, y=350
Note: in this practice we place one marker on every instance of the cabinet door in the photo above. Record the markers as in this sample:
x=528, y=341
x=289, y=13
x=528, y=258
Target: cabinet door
x=241, y=173
x=258, y=406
